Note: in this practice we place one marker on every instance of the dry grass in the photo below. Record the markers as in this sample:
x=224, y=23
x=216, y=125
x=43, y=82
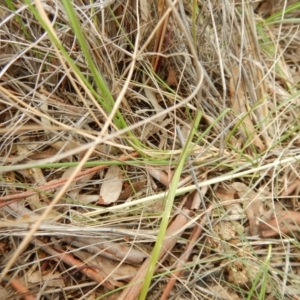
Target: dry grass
x=192, y=109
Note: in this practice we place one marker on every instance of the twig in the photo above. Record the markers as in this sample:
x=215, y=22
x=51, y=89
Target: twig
x=286, y=222
x=21, y=289
x=114, y=251
x=183, y=259
x=291, y=188
x=56, y=184
x=174, y=231
x=160, y=34
x=81, y=266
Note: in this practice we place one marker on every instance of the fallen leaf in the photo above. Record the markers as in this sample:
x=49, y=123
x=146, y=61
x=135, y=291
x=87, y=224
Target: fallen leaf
x=173, y=234
x=253, y=204
x=172, y=77
x=114, y=270
x=51, y=279
x=111, y=187
x=223, y=293
x=132, y=189
x=161, y=176
x=74, y=193
x=86, y=199
x=285, y=222
x=264, y=8
x=225, y=195
x=228, y=196
x=111, y=250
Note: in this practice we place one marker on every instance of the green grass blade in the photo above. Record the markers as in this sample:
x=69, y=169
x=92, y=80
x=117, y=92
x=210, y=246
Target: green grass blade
x=106, y=99
x=168, y=208
x=11, y=6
